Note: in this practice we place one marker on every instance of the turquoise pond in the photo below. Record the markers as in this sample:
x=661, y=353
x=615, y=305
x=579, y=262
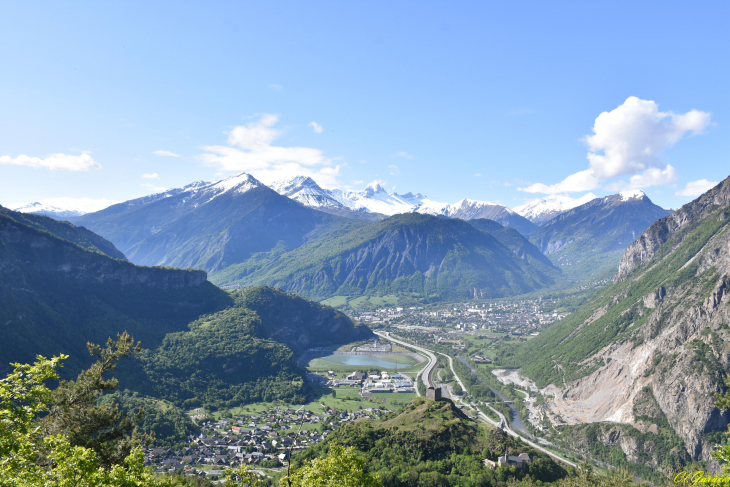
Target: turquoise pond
x=364, y=360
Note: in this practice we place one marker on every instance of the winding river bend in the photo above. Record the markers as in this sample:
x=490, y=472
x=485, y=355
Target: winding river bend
x=517, y=423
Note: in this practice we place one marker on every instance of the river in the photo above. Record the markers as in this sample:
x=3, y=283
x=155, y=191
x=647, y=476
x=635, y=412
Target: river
x=517, y=423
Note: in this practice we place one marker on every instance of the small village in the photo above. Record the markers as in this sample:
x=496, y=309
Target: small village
x=517, y=318
x=263, y=440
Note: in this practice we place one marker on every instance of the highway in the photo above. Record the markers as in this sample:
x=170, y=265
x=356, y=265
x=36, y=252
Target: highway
x=427, y=373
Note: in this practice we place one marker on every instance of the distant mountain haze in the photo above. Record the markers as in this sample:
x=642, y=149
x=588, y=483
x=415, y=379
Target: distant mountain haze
x=48, y=210
x=541, y=211
x=590, y=238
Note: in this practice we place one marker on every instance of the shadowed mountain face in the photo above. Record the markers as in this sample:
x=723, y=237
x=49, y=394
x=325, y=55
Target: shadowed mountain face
x=211, y=226
x=408, y=252
x=55, y=296
x=513, y=240
x=67, y=231
x=202, y=345
x=590, y=238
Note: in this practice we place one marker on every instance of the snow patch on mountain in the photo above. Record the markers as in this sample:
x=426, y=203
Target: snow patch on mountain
x=48, y=210
x=240, y=183
x=375, y=199
x=307, y=192
x=539, y=211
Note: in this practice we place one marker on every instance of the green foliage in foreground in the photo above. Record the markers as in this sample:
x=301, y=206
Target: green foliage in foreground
x=162, y=420
x=341, y=467
x=32, y=459
x=433, y=443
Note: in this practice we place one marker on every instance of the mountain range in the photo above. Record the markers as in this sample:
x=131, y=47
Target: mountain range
x=48, y=210
x=243, y=232
x=541, y=211
x=209, y=225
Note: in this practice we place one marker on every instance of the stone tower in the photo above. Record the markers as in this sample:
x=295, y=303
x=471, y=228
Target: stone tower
x=433, y=394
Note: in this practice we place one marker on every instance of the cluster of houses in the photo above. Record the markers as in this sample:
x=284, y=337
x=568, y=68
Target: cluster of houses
x=251, y=439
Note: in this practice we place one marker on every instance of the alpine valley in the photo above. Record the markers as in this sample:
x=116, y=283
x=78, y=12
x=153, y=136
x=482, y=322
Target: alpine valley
x=562, y=335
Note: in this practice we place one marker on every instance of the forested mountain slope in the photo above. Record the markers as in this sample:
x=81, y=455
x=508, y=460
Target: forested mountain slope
x=67, y=231
x=434, y=443
x=513, y=240
x=663, y=327
x=244, y=353
x=55, y=296
x=411, y=253
x=203, y=345
x=590, y=238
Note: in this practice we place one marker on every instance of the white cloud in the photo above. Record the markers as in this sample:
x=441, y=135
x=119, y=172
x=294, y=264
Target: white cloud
x=165, y=153
x=316, y=127
x=275, y=87
x=404, y=155
x=633, y=135
x=87, y=205
x=580, y=181
x=628, y=141
x=394, y=170
x=478, y=175
x=653, y=177
x=153, y=175
x=54, y=162
x=249, y=149
x=696, y=188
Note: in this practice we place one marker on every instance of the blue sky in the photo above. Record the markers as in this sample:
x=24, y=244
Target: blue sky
x=486, y=100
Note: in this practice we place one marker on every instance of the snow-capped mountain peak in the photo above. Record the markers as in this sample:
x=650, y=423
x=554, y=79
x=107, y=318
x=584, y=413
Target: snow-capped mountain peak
x=307, y=192
x=374, y=187
x=239, y=183
x=48, y=210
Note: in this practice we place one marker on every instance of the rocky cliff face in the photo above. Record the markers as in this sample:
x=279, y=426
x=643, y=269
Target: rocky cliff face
x=663, y=327
x=406, y=253
x=26, y=249
x=662, y=230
